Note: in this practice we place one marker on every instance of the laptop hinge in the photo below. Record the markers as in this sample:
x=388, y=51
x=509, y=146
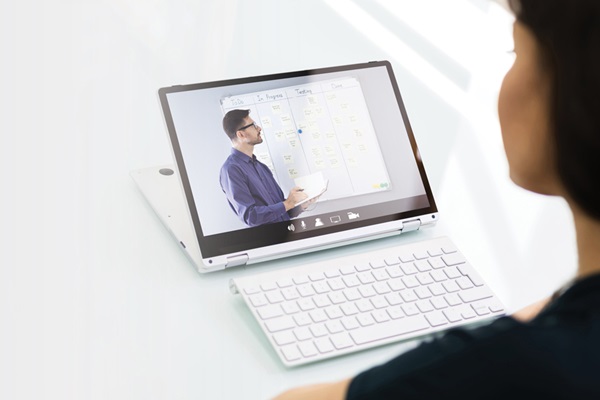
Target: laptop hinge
x=411, y=225
x=237, y=260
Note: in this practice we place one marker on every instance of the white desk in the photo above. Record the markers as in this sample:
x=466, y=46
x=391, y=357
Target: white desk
x=97, y=301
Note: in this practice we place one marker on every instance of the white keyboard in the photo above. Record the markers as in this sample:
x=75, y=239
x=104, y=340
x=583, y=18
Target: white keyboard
x=331, y=308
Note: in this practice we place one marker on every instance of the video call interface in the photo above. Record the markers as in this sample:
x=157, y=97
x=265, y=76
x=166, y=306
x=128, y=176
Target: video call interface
x=339, y=135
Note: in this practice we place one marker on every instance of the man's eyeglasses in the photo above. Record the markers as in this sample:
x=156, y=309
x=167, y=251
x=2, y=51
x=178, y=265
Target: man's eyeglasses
x=248, y=126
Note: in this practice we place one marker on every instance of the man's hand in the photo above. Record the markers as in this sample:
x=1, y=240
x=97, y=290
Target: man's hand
x=296, y=195
x=531, y=311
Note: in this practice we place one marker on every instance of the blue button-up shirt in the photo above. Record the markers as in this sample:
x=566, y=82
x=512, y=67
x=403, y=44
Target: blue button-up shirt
x=252, y=191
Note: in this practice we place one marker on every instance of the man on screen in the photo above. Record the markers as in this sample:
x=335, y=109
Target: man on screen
x=252, y=192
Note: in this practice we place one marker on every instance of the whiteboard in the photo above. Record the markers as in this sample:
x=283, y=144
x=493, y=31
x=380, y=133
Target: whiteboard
x=318, y=127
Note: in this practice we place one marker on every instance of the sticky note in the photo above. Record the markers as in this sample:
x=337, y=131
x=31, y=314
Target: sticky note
x=265, y=122
x=288, y=159
x=286, y=120
x=276, y=108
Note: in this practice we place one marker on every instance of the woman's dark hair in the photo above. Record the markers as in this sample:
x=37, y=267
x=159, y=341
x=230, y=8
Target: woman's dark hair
x=568, y=32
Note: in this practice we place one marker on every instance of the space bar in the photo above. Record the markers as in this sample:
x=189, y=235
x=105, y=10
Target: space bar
x=389, y=329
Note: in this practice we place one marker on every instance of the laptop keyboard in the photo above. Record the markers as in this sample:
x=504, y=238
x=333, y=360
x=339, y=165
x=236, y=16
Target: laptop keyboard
x=326, y=309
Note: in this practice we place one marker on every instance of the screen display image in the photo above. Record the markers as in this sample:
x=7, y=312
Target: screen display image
x=339, y=134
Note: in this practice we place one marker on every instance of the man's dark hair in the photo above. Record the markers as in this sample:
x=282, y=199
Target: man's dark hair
x=568, y=32
x=234, y=120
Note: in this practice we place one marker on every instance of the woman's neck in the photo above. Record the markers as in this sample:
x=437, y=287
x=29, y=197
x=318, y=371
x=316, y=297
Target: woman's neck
x=587, y=230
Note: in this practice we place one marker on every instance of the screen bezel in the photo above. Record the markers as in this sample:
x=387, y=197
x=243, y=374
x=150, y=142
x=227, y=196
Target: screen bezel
x=214, y=247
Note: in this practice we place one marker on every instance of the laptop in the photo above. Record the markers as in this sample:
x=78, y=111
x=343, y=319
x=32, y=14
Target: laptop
x=341, y=133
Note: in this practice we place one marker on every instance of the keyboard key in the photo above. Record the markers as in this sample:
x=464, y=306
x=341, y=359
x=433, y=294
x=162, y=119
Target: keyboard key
x=381, y=288
x=351, y=281
x=324, y=345
x=395, y=312
x=410, y=309
x=269, y=312
x=290, y=293
x=436, y=318
x=364, y=305
x=389, y=329
x=495, y=306
x=283, y=338
x=321, y=301
x=268, y=286
x=376, y=264
x=380, y=316
x=408, y=296
x=380, y=275
x=318, y=330
x=449, y=249
x=379, y=302
x=318, y=315
x=424, y=306
x=302, y=319
x=451, y=286
x=423, y=265
x=435, y=252
x=336, y=284
x=475, y=294
x=362, y=267
x=341, y=341
x=290, y=308
x=453, y=299
x=349, y=309
x=284, y=283
x=467, y=312
x=291, y=353
x=350, y=323
x=365, y=319
x=274, y=297
x=334, y=312
x=439, y=303
x=258, y=300
x=481, y=308
x=321, y=287
x=392, y=261
x=306, y=290
x=452, y=315
x=424, y=279
x=307, y=349
x=280, y=324
x=396, y=284
x=406, y=257
x=251, y=290
x=421, y=255
x=366, y=278
x=409, y=269
x=394, y=271
x=393, y=299
x=436, y=263
x=367, y=291
x=410, y=281
x=452, y=273
x=477, y=281
x=332, y=273
x=334, y=326
x=352, y=294
x=299, y=280
x=436, y=289
x=306, y=304
x=422, y=293
x=453, y=259
x=302, y=333
x=347, y=270
x=337, y=297
x=316, y=276
x=464, y=282
x=438, y=275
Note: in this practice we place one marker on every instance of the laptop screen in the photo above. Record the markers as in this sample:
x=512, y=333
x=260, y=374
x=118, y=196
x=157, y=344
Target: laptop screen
x=294, y=161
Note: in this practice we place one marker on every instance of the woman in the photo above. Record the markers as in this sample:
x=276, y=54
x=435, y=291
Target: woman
x=549, y=110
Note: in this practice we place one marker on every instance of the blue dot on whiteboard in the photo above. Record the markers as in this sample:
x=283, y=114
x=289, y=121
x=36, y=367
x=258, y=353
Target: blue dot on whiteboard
x=299, y=130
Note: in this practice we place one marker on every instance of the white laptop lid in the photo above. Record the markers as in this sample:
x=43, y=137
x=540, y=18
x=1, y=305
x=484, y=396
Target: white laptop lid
x=346, y=124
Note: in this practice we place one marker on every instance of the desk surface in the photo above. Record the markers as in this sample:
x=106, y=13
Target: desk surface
x=97, y=300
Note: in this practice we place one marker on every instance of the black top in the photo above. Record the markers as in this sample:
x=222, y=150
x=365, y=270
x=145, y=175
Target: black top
x=556, y=355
